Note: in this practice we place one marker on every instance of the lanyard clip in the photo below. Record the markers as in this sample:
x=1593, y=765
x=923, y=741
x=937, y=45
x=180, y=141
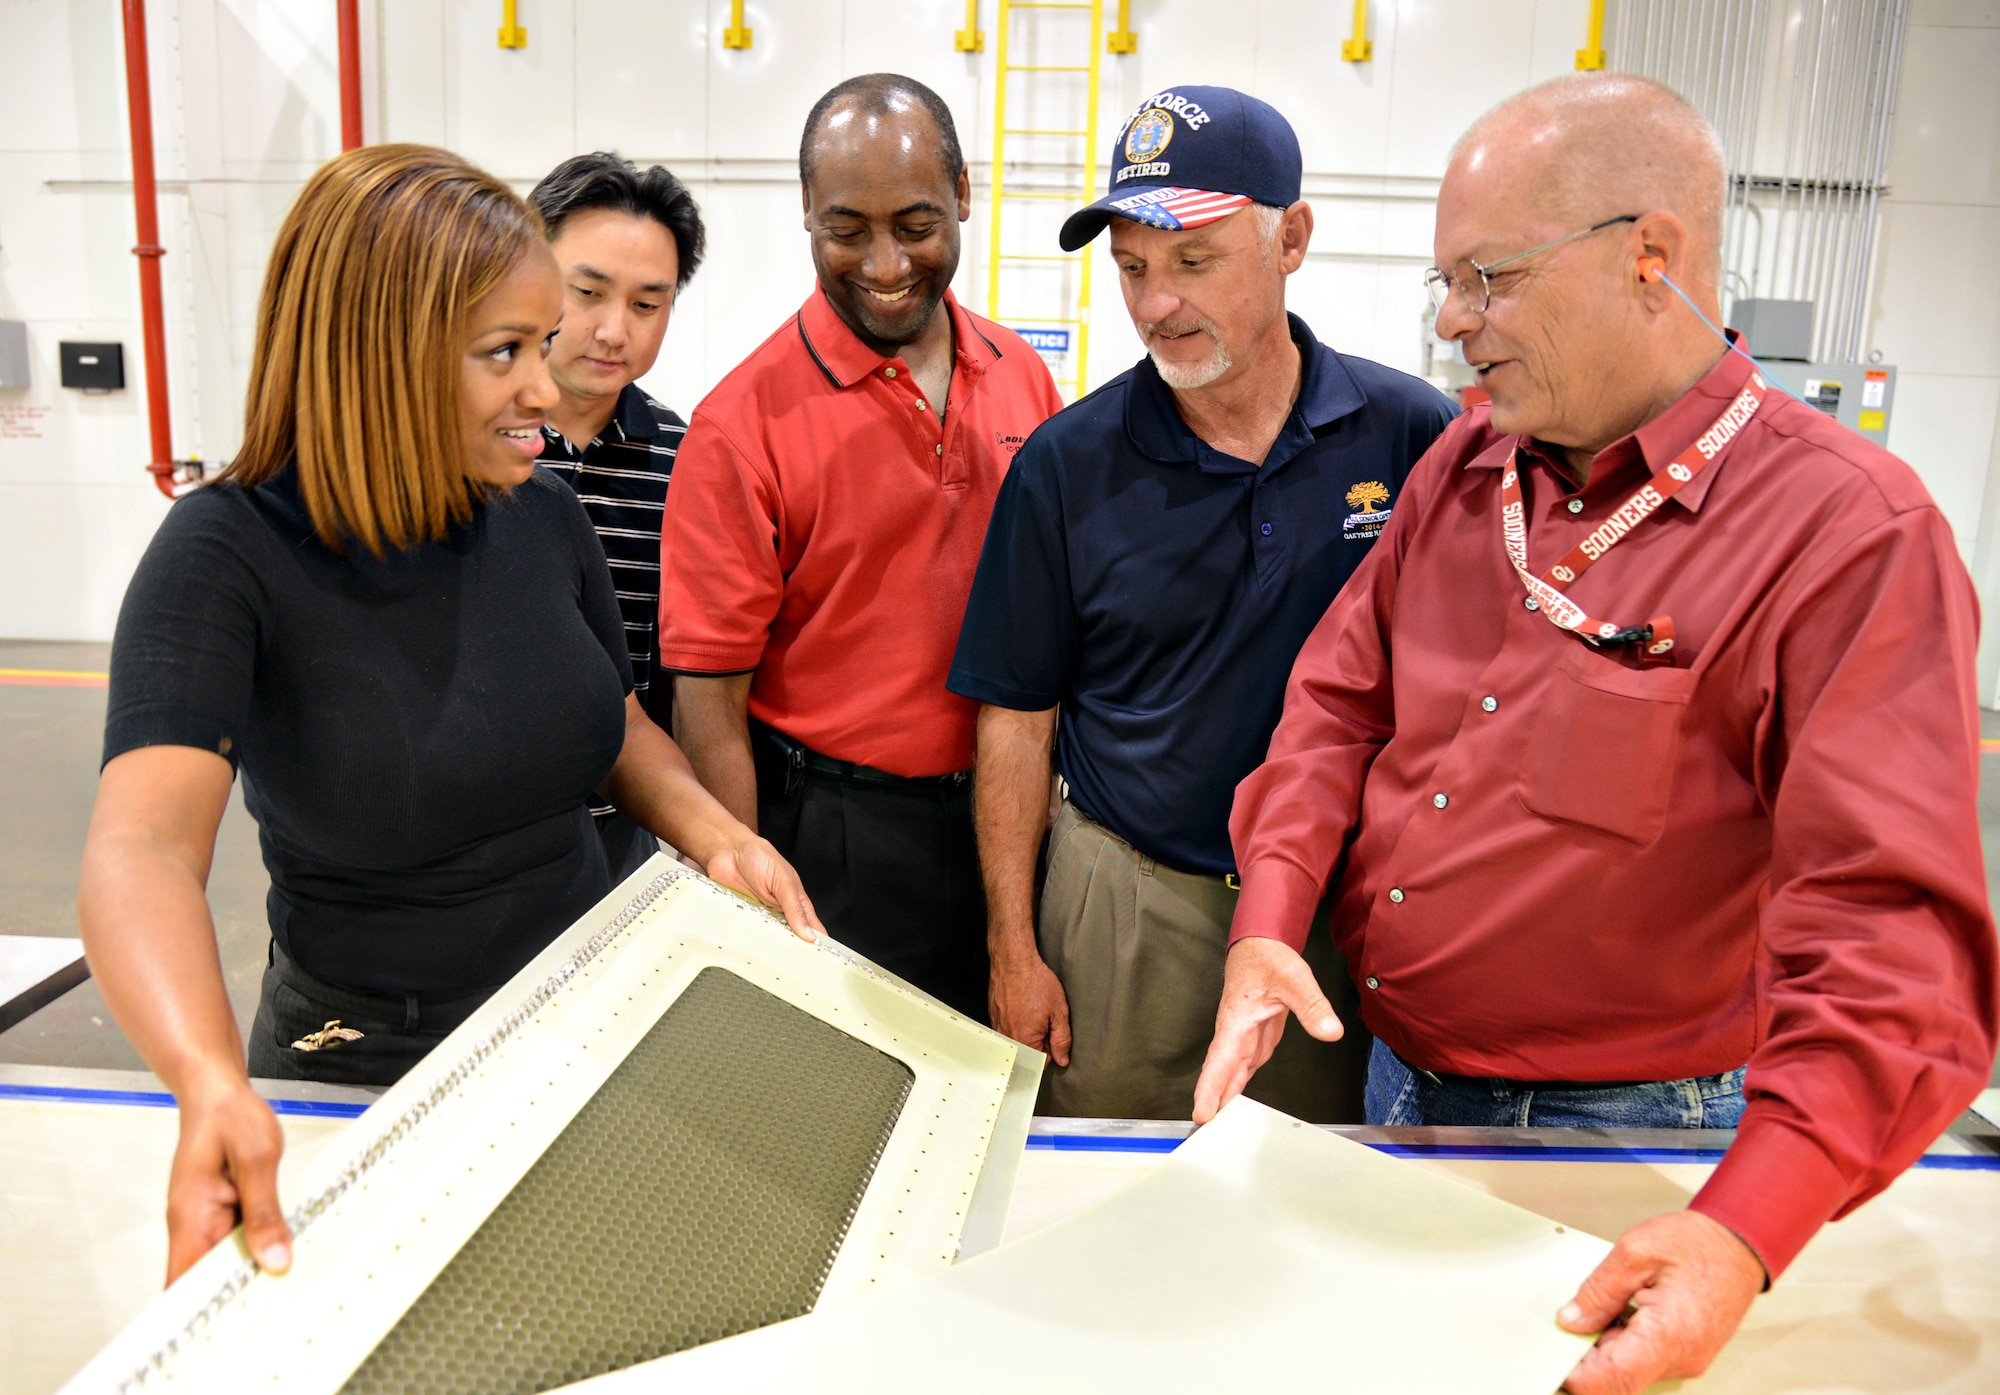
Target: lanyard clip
x=1655, y=639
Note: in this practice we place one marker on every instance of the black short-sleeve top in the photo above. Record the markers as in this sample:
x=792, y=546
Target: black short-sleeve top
x=418, y=735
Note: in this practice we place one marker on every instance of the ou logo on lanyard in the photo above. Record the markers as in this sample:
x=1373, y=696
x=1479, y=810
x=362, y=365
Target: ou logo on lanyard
x=1657, y=634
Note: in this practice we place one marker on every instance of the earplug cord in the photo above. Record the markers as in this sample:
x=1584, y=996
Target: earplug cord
x=1660, y=274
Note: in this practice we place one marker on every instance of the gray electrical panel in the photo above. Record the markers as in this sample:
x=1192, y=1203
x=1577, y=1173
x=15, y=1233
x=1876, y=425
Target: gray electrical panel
x=1860, y=395
x=13, y=354
x=1774, y=328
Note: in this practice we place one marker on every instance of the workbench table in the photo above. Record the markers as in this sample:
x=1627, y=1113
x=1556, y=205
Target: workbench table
x=1903, y=1296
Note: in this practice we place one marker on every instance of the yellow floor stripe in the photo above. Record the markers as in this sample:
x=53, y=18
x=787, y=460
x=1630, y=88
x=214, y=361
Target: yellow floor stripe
x=52, y=678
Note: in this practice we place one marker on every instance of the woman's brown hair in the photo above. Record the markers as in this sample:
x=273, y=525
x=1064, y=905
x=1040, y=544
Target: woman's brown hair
x=360, y=330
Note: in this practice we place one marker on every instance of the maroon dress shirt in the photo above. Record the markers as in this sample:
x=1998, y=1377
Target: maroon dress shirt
x=1562, y=865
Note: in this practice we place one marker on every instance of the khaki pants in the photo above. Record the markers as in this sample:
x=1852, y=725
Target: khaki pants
x=1139, y=949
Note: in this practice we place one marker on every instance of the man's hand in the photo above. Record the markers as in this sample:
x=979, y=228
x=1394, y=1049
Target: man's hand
x=1688, y=1280
x=226, y=1169
x=1027, y=1003
x=1263, y=980
x=751, y=864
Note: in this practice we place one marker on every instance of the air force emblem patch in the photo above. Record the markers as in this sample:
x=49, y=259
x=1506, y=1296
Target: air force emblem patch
x=1150, y=134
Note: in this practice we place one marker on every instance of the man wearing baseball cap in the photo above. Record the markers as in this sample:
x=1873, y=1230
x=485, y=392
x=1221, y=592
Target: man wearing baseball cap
x=1156, y=558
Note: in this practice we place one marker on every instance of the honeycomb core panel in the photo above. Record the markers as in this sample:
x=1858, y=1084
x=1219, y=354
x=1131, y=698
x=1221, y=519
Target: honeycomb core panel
x=703, y=1191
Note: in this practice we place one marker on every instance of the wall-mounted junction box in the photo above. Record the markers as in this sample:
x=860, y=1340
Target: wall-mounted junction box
x=13, y=354
x=92, y=367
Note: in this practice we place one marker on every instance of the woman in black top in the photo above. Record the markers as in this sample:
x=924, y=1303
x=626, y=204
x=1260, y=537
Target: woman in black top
x=403, y=635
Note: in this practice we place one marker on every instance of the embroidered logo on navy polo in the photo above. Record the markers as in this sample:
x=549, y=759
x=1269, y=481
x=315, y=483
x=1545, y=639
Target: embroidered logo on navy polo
x=1151, y=133
x=1367, y=499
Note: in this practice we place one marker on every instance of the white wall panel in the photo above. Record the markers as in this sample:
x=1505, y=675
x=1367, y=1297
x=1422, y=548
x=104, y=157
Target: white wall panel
x=59, y=94
x=642, y=79
x=1934, y=311
x=1964, y=13
x=1340, y=110
x=1947, y=146
x=1942, y=427
x=1449, y=63
x=758, y=97
x=512, y=110
x=413, y=81
x=66, y=552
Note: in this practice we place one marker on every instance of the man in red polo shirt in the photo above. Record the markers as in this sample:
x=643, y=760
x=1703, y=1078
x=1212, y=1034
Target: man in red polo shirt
x=1647, y=736
x=826, y=518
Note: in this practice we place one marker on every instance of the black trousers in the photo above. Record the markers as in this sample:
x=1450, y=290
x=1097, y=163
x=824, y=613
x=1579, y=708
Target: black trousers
x=892, y=869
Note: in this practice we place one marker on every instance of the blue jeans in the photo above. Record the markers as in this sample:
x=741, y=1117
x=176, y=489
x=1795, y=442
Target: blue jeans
x=1399, y=1096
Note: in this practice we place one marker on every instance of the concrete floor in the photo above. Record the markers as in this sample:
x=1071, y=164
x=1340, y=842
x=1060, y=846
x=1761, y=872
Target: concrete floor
x=50, y=740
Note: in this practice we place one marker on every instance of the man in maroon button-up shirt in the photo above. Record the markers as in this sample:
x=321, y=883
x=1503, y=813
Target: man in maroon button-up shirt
x=1570, y=863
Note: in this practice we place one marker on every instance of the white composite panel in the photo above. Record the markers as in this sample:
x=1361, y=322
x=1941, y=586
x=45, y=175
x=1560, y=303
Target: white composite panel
x=418, y=1174
x=1262, y=1255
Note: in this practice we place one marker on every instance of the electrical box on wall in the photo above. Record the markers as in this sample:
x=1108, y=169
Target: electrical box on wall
x=13, y=354
x=1859, y=395
x=92, y=367
x=1775, y=328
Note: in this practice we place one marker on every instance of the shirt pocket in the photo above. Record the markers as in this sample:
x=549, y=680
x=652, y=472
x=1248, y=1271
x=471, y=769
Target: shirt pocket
x=1606, y=744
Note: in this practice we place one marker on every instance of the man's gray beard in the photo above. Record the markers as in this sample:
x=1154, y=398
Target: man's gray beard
x=1187, y=376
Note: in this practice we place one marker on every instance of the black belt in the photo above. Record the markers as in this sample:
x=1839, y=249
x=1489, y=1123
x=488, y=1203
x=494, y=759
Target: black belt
x=429, y=1012
x=790, y=762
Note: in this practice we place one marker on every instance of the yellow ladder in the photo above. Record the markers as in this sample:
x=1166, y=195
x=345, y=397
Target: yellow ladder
x=998, y=252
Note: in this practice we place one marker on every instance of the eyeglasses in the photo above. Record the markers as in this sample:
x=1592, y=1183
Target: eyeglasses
x=1472, y=280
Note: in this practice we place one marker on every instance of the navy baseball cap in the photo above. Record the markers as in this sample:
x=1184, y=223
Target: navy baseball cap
x=1190, y=156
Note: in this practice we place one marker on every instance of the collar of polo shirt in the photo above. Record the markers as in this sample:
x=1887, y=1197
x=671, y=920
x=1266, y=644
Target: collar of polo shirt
x=1327, y=392
x=846, y=360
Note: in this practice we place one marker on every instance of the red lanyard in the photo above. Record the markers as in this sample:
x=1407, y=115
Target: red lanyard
x=1544, y=593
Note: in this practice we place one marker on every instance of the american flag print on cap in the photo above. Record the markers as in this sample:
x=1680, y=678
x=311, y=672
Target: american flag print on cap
x=1178, y=210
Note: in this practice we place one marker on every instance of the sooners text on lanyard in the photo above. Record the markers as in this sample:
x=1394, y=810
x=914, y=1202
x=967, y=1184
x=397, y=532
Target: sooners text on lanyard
x=1657, y=634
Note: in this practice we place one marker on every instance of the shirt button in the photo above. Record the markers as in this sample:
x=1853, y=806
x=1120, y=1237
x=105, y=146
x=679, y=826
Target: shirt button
x=1576, y=506
x=888, y=372
x=920, y=404
x=1267, y=530
x=1440, y=800
x=1374, y=982
x=1490, y=704
x=1532, y=604
x=940, y=448
x=1396, y=894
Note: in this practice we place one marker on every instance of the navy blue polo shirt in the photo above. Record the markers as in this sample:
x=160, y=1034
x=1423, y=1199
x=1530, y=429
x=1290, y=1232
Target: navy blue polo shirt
x=1158, y=590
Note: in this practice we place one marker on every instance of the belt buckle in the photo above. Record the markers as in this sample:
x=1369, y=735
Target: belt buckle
x=1232, y=881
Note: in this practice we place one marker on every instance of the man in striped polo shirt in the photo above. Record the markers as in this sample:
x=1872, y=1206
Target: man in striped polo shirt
x=627, y=241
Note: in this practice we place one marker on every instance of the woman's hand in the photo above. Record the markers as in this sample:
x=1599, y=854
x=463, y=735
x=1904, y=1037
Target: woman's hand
x=655, y=787
x=752, y=865
x=225, y=1171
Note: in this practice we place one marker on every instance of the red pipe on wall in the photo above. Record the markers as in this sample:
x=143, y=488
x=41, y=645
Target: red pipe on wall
x=139, y=100
x=350, y=74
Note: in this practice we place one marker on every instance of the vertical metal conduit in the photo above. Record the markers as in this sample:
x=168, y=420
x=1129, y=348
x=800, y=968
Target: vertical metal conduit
x=1806, y=231
x=145, y=199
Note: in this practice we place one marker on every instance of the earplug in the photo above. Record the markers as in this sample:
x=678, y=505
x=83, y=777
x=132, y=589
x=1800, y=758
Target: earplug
x=1652, y=268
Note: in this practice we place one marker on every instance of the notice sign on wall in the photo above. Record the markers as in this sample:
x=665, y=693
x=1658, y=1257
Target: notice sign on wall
x=1053, y=346
x=21, y=422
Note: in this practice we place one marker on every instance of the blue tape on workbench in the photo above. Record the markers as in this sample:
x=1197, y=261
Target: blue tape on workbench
x=1540, y=1152
x=160, y=1099
x=1102, y=1143
x=1070, y=1142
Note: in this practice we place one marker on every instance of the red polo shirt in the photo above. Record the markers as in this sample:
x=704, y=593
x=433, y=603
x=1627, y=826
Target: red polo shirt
x=823, y=527
x=1564, y=866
